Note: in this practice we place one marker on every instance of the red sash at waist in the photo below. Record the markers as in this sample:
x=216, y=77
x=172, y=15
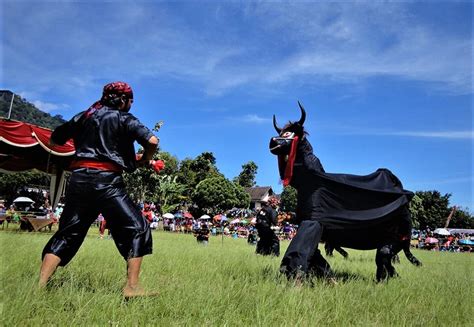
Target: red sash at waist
x=99, y=165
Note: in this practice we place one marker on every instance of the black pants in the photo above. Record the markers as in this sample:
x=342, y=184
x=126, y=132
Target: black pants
x=268, y=244
x=91, y=192
x=302, y=255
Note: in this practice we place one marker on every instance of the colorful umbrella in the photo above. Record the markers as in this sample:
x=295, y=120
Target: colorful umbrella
x=442, y=231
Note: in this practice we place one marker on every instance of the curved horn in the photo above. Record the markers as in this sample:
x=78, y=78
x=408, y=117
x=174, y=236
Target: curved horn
x=303, y=114
x=278, y=129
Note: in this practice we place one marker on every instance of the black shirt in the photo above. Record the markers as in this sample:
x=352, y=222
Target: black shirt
x=105, y=135
x=267, y=216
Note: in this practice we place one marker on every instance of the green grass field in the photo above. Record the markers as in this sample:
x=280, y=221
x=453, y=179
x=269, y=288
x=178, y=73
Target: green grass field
x=226, y=284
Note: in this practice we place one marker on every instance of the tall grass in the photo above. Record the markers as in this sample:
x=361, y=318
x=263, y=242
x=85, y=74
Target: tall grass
x=226, y=284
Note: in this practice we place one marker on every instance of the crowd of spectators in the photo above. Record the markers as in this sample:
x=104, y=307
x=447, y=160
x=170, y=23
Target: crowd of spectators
x=444, y=240
x=234, y=224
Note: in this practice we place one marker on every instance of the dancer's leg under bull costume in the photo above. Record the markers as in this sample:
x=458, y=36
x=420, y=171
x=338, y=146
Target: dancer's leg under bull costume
x=268, y=243
x=303, y=258
x=91, y=192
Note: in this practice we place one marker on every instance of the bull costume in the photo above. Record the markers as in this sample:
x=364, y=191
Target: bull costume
x=104, y=137
x=268, y=243
x=360, y=212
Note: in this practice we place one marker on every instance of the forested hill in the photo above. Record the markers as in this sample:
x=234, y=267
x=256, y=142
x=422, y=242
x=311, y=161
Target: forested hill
x=26, y=112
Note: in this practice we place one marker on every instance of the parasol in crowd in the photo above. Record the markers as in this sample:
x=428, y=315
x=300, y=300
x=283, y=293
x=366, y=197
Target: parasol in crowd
x=188, y=215
x=219, y=217
x=442, y=231
x=23, y=199
x=168, y=215
x=431, y=240
x=205, y=217
x=235, y=221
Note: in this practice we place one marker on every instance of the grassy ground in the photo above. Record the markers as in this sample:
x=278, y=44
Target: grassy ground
x=226, y=284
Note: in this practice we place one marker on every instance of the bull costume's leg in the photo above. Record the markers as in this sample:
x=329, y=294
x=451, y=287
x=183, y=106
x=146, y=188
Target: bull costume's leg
x=383, y=260
x=275, y=245
x=302, y=256
x=342, y=252
x=328, y=249
x=409, y=255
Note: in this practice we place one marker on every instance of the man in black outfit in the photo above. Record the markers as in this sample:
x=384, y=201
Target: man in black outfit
x=268, y=243
x=104, y=137
x=202, y=235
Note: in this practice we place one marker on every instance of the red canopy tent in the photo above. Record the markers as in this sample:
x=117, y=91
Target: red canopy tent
x=25, y=146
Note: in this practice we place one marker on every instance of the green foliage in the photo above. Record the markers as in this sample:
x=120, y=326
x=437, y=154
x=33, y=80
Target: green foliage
x=246, y=177
x=416, y=211
x=288, y=199
x=462, y=219
x=26, y=112
x=218, y=194
x=430, y=209
x=226, y=284
x=168, y=193
x=171, y=163
x=193, y=171
x=142, y=183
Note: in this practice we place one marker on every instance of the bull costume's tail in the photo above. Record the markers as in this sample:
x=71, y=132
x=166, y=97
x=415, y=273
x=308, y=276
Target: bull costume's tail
x=410, y=256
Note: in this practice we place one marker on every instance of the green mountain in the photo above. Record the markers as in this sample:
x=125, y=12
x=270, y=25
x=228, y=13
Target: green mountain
x=26, y=112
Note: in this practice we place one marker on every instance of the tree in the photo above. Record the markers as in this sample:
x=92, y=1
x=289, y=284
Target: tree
x=193, y=171
x=142, y=183
x=288, y=199
x=205, y=167
x=462, y=219
x=416, y=211
x=434, y=209
x=218, y=194
x=168, y=193
x=26, y=112
x=171, y=163
x=246, y=177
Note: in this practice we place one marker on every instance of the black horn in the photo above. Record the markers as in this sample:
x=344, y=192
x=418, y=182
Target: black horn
x=278, y=129
x=303, y=114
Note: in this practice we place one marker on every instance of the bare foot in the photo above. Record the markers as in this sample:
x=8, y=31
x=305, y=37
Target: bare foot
x=332, y=281
x=134, y=292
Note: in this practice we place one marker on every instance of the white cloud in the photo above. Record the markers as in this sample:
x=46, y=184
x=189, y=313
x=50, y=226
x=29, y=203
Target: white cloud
x=304, y=42
x=253, y=119
x=454, y=135
x=438, y=134
x=48, y=107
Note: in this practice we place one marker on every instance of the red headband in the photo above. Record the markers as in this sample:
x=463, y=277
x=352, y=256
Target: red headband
x=117, y=88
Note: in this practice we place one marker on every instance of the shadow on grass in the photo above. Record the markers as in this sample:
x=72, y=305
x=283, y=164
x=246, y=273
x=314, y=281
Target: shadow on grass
x=269, y=273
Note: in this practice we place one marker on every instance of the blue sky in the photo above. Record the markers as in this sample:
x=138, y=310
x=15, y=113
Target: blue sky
x=384, y=84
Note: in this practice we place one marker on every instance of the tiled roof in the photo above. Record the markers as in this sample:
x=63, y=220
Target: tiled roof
x=258, y=193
